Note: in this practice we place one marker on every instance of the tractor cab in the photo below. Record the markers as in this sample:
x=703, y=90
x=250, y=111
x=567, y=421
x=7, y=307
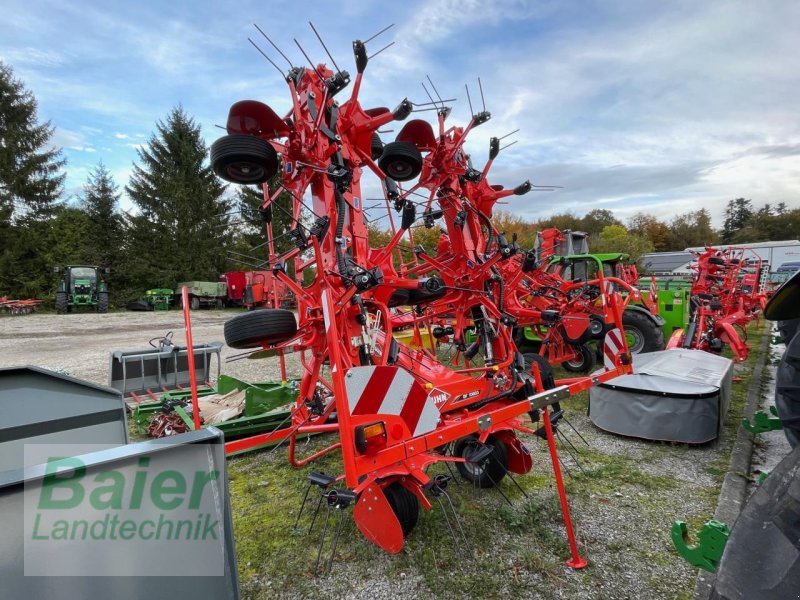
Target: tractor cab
x=584, y=267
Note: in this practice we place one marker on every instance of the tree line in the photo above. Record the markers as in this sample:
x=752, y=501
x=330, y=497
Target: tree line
x=186, y=224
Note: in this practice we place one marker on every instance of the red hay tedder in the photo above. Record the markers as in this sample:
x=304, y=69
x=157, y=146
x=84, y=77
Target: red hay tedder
x=396, y=409
x=728, y=291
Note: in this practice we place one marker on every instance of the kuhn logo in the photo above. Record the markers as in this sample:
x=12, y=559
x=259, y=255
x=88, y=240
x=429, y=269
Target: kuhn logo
x=438, y=396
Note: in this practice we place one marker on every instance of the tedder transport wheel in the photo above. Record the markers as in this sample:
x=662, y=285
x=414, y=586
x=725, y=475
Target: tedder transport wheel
x=404, y=504
x=376, y=146
x=102, y=302
x=491, y=471
x=61, y=302
x=642, y=333
x=251, y=329
x=244, y=159
x=545, y=369
x=787, y=391
x=583, y=363
x=401, y=161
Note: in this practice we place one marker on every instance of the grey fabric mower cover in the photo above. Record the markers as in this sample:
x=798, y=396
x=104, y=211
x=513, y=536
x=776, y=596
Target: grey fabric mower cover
x=674, y=395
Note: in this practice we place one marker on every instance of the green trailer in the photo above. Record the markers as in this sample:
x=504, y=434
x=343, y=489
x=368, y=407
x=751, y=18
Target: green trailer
x=212, y=294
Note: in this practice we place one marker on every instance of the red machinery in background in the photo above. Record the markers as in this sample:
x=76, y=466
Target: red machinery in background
x=727, y=293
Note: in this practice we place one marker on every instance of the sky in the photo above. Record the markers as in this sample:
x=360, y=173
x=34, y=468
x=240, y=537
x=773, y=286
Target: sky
x=662, y=107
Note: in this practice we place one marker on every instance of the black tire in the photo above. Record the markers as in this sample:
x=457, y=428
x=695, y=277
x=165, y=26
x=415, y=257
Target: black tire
x=490, y=472
x=244, y=159
x=582, y=364
x=545, y=369
x=401, y=161
x=597, y=327
x=647, y=336
x=404, y=505
x=194, y=302
x=376, y=146
x=266, y=325
x=787, y=391
x=102, y=302
x=716, y=260
x=220, y=303
x=61, y=302
x=761, y=556
x=788, y=329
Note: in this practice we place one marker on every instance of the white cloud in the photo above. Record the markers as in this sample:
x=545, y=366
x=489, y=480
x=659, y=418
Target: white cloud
x=121, y=136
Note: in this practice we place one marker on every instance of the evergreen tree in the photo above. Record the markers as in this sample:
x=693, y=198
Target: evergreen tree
x=104, y=237
x=737, y=215
x=252, y=226
x=31, y=183
x=104, y=240
x=182, y=226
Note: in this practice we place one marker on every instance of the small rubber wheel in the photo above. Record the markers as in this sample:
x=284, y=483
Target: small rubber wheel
x=376, y=146
x=61, y=302
x=264, y=326
x=597, y=327
x=583, y=363
x=404, y=505
x=102, y=302
x=491, y=471
x=194, y=303
x=716, y=260
x=244, y=159
x=545, y=369
x=401, y=161
x=642, y=333
x=220, y=304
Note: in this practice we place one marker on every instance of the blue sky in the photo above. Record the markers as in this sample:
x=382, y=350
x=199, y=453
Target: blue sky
x=664, y=107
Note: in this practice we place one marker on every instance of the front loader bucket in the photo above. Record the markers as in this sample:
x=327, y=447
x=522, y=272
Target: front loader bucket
x=376, y=520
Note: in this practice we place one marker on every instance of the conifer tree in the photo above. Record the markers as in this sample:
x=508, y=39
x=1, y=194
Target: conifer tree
x=181, y=229
x=31, y=183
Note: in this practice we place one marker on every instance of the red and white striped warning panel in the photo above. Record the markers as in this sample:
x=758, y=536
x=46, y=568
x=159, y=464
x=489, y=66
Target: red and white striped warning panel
x=389, y=390
x=612, y=346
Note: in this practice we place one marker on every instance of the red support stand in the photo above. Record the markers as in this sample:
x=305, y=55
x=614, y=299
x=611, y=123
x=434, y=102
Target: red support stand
x=187, y=320
x=576, y=561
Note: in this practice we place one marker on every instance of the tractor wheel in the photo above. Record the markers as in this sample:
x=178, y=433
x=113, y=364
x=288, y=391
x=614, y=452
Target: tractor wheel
x=194, y=302
x=376, y=146
x=404, y=504
x=102, y=302
x=266, y=325
x=642, y=333
x=401, y=161
x=545, y=369
x=761, y=559
x=787, y=391
x=244, y=159
x=61, y=302
x=583, y=363
x=489, y=473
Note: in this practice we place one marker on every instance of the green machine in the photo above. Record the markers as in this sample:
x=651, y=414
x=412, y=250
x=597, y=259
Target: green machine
x=204, y=293
x=82, y=286
x=674, y=294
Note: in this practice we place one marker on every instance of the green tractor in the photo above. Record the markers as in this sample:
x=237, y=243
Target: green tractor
x=645, y=331
x=82, y=285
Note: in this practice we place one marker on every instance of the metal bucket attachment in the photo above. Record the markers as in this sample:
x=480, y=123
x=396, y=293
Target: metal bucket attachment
x=155, y=370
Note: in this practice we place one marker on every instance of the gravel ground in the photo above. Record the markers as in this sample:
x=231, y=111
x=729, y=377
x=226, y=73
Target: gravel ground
x=80, y=343
x=624, y=494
